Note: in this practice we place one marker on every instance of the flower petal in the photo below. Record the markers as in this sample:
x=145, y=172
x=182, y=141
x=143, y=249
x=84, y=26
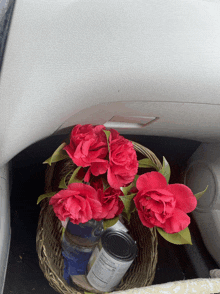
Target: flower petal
x=185, y=200
x=161, y=195
x=114, y=181
x=82, y=187
x=178, y=222
x=87, y=175
x=98, y=168
x=62, y=194
x=155, y=206
x=144, y=220
x=152, y=180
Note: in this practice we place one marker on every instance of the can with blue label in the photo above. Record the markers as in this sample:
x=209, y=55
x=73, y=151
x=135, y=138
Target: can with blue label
x=78, y=244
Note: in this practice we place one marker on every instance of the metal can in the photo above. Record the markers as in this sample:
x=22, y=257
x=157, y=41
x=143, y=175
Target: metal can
x=119, y=227
x=110, y=260
x=86, y=234
x=75, y=258
x=78, y=244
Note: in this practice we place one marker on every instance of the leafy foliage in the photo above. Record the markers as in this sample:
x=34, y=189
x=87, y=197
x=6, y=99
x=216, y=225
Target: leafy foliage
x=43, y=196
x=129, y=205
x=107, y=133
x=147, y=163
x=59, y=154
x=165, y=171
x=110, y=222
x=198, y=195
x=180, y=238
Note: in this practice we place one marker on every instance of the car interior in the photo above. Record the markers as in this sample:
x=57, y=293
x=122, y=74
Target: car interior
x=150, y=70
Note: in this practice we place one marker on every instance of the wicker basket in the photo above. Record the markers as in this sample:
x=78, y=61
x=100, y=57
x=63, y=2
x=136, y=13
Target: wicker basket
x=142, y=271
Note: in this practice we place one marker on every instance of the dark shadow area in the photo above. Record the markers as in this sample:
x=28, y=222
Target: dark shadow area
x=24, y=275
x=27, y=182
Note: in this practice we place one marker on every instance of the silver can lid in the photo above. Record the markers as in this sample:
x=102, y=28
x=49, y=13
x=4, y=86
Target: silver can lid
x=119, y=245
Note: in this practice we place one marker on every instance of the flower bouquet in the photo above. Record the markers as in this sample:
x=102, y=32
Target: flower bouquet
x=103, y=183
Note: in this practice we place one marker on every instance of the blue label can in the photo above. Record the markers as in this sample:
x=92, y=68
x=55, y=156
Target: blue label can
x=86, y=234
x=78, y=244
x=75, y=258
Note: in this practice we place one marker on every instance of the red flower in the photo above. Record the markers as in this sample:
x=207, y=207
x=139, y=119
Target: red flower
x=79, y=202
x=88, y=147
x=123, y=163
x=111, y=203
x=162, y=205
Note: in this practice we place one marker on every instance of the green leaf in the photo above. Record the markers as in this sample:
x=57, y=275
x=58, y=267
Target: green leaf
x=73, y=177
x=63, y=231
x=107, y=223
x=180, y=238
x=127, y=201
x=128, y=204
x=43, y=196
x=132, y=207
x=107, y=133
x=105, y=184
x=198, y=195
x=62, y=184
x=165, y=171
x=147, y=163
x=59, y=154
x=135, y=180
x=126, y=216
x=85, y=292
x=127, y=189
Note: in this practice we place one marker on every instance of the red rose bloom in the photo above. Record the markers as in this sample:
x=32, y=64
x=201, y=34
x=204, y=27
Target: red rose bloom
x=123, y=163
x=79, y=202
x=111, y=203
x=88, y=147
x=162, y=205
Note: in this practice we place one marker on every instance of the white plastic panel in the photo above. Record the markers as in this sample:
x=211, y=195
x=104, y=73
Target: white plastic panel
x=64, y=55
x=183, y=120
x=126, y=121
